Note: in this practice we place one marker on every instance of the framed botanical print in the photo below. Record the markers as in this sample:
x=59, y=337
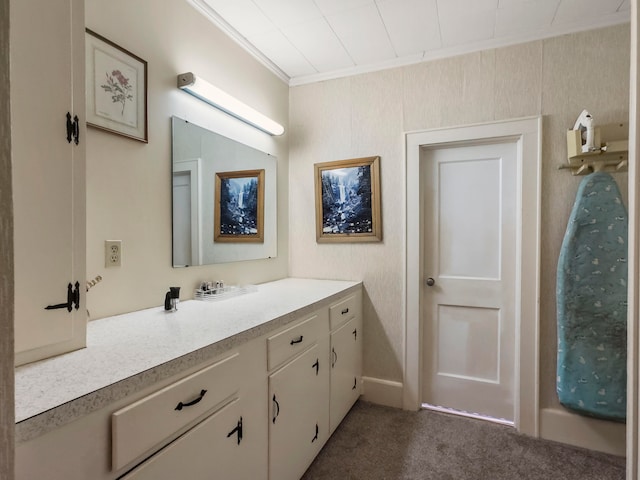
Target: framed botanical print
x=116, y=84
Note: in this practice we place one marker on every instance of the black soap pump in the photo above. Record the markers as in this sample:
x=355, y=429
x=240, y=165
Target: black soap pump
x=171, y=299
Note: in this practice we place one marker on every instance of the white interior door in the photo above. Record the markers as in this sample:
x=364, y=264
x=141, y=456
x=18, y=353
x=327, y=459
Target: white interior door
x=469, y=290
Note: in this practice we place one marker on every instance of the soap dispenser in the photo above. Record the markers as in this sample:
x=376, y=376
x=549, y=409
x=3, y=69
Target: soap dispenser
x=171, y=299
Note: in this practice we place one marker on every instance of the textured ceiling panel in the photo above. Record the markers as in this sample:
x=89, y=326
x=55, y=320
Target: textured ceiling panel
x=311, y=40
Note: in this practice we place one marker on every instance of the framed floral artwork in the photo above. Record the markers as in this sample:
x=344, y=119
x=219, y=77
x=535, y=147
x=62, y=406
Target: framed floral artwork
x=116, y=84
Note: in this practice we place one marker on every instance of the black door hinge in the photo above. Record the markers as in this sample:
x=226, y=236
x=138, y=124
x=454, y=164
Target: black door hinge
x=237, y=430
x=69, y=128
x=73, y=129
x=73, y=299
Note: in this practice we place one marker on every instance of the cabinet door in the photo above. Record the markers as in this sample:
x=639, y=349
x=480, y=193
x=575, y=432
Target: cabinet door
x=346, y=369
x=215, y=448
x=47, y=81
x=299, y=421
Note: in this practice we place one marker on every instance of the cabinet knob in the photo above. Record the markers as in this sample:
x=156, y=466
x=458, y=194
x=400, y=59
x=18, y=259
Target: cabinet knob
x=430, y=282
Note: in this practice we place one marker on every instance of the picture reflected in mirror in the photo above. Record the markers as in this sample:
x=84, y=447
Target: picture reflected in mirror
x=224, y=198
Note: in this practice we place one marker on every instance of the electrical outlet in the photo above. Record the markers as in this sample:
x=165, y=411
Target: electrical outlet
x=112, y=253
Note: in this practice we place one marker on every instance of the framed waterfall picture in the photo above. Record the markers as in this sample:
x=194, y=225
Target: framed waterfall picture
x=239, y=207
x=348, y=201
x=116, y=84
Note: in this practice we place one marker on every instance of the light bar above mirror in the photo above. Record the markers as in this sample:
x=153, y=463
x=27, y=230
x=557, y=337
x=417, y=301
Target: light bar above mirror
x=212, y=95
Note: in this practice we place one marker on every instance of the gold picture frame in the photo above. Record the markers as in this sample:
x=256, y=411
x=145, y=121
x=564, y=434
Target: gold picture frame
x=348, y=205
x=239, y=207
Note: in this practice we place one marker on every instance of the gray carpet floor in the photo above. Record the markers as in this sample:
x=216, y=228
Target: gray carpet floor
x=381, y=443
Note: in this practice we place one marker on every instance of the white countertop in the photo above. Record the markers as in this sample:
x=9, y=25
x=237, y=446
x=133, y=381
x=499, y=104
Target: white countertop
x=128, y=352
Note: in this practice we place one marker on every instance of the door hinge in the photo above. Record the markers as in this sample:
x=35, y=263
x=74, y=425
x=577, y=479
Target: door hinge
x=73, y=129
x=237, y=431
x=73, y=299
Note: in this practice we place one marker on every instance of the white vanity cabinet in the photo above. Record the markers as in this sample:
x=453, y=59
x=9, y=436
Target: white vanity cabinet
x=48, y=153
x=215, y=448
x=258, y=404
x=346, y=357
x=298, y=392
x=224, y=401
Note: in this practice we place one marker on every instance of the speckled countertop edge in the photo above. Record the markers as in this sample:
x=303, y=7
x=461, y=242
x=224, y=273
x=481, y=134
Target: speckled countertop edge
x=118, y=362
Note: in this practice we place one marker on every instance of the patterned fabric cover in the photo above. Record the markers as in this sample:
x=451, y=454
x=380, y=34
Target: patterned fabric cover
x=592, y=302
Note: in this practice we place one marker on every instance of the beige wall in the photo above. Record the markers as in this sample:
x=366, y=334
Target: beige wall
x=368, y=114
x=128, y=182
x=7, y=418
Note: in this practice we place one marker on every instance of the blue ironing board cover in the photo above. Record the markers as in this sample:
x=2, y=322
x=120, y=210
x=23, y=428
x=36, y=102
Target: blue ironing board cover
x=591, y=296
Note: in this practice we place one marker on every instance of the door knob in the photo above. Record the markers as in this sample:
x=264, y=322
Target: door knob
x=430, y=282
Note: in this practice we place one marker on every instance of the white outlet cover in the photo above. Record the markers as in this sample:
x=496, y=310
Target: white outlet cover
x=112, y=253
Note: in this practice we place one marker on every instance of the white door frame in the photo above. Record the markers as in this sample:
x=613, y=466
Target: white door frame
x=194, y=167
x=527, y=133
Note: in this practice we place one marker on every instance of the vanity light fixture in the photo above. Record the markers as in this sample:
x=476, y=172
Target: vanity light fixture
x=212, y=95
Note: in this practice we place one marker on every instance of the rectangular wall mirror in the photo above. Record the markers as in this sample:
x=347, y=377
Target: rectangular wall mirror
x=203, y=161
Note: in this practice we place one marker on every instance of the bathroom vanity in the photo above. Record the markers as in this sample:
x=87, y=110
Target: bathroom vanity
x=247, y=387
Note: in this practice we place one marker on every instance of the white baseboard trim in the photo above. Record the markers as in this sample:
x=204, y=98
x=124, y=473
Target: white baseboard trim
x=382, y=392
x=600, y=435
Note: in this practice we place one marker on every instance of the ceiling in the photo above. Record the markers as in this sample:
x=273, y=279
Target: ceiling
x=304, y=41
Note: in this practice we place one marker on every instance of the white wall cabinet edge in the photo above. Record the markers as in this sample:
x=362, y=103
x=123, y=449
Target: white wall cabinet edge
x=48, y=175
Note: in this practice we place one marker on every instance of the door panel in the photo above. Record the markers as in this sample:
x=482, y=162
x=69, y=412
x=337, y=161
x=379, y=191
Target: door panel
x=459, y=184
x=477, y=331
x=469, y=252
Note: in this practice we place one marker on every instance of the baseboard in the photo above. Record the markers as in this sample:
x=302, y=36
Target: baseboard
x=600, y=435
x=382, y=392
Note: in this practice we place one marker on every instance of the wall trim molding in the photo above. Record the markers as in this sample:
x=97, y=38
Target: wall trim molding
x=566, y=427
x=382, y=392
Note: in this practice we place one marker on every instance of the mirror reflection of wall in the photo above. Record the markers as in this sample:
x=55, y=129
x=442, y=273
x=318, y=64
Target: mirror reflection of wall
x=198, y=156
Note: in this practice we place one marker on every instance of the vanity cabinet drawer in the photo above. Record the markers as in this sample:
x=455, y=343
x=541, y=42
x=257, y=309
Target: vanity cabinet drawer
x=344, y=310
x=138, y=428
x=284, y=345
x=214, y=448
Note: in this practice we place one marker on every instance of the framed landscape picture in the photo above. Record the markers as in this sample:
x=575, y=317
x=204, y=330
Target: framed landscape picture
x=116, y=83
x=348, y=201
x=239, y=206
